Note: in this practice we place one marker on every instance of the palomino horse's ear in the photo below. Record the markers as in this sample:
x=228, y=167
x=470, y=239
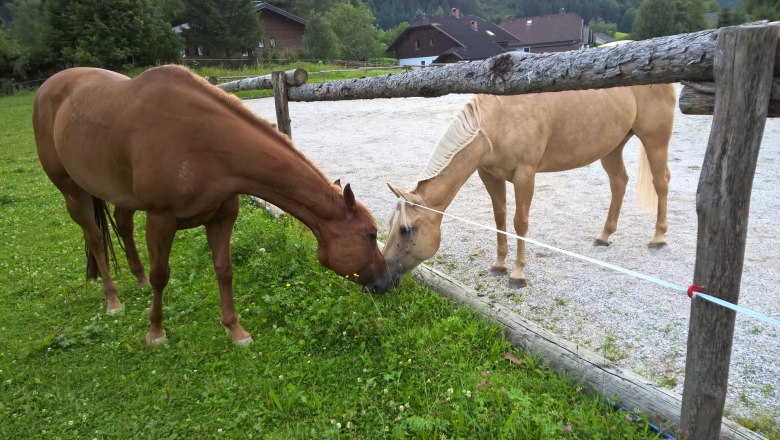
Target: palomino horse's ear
x=337, y=182
x=400, y=193
x=349, y=197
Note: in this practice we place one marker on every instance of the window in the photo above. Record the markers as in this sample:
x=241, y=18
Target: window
x=416, y=44
x=430, y=42
x=272, y=41
x=261, y=43
x=526, y=49
x=200, y=50
x=529, y=22
x=422, y=63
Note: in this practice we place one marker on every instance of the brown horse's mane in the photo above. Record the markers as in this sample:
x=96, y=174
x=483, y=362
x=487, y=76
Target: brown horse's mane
x=237, y=105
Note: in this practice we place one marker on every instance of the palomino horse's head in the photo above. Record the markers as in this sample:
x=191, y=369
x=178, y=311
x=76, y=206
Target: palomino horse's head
x=415, y=234
x=348, y=246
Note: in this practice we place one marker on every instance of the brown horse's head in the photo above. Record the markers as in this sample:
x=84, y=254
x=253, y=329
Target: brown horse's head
x=415, y=234
x=348, y=246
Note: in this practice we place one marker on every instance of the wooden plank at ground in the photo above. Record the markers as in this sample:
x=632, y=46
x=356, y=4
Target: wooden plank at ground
x=743, y=70
x=633, y=392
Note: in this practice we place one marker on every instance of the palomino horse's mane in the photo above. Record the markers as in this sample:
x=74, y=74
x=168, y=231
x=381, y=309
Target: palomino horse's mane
x=242, y=111
x=463, y=129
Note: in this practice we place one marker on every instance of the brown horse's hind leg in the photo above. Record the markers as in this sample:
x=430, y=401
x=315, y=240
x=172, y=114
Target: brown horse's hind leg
x=81, y=209
x=160, y=230
x=496, y=188
x=124, y=226
x=218, y=235
x=524, y=181
x=618, y=179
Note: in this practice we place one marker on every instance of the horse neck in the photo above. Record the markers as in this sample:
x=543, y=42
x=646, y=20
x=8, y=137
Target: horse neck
x=276, y=172
x=439, y=191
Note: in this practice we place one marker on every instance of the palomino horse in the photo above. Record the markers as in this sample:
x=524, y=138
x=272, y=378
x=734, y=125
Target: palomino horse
x=511, y=138
x=169, y=143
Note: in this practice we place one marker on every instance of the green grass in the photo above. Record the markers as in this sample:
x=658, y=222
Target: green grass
x=327, y=361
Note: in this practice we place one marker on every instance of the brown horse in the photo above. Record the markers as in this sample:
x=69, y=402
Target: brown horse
x=169, y=143
x=511, y=138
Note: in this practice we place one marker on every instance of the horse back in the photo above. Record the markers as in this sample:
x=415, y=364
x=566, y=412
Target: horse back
x=569, y=129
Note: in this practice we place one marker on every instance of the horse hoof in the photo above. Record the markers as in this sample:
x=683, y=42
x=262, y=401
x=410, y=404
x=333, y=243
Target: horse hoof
x=156, y=341
x=243, y=342
x=114, y=311
x=658, y=245
x=599, y=242
x=497, y=270
x=517, y=283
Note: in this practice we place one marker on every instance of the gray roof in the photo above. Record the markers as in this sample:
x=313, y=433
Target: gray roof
x=487, y=40
x=259, y=6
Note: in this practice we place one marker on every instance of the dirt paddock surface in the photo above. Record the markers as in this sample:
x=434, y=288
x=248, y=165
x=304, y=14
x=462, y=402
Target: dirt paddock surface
x=641, y=326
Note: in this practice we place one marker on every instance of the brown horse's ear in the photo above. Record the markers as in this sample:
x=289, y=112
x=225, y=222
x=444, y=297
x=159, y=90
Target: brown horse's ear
x=349, y=197
x=337, y=182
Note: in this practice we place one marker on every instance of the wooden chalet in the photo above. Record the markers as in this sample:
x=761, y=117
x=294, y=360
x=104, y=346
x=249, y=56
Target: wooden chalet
x=449, y=39
x=282, y=30
x=550, y=33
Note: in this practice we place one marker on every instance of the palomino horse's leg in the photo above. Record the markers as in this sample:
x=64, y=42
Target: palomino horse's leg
x=81, y=210
x=496, y=188
x=160, y=230
x=524, y=181
x=657, y=148
x=124, y=225
x=618, y=179
x=218, y=235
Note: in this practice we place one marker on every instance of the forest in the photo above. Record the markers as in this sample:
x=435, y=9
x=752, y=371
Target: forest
x=39, y=37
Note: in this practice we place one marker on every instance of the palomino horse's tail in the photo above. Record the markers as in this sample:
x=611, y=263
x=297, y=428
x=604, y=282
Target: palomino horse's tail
x=104, y=220
x=645, y=191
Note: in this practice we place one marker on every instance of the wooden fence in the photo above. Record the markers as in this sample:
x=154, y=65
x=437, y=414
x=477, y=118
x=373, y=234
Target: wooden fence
x=740, y=65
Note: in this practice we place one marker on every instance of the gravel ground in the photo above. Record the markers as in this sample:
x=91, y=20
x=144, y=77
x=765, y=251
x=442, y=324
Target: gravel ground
x=643, y=327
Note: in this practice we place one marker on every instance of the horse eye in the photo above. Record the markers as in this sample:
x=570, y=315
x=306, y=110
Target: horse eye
x=372, y=236
x=406, y=230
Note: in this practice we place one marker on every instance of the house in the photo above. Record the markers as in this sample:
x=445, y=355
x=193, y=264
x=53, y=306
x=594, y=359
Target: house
x=449, y=39
x=550, y=33
x=282, y=31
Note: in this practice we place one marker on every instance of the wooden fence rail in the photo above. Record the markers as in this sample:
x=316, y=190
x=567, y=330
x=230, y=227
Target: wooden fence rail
x=742, y=61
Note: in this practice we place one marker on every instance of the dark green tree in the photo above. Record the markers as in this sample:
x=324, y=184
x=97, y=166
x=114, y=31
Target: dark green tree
x=356, y=33
x=319, y=39
x=223, y=28
x=29, y=29
x=656, y=18
x=112, y=34
x=761, y=9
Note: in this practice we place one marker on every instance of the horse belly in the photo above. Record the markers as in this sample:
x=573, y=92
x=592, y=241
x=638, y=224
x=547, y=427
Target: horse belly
x=90, y=159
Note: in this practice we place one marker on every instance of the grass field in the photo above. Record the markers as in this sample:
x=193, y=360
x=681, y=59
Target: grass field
x=327, y=361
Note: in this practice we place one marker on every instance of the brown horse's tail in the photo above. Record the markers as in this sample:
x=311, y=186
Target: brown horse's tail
x=645, y=191
x=105, y=222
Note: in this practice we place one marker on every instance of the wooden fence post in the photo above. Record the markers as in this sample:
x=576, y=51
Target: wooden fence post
x=744, y=60
x=280, y=99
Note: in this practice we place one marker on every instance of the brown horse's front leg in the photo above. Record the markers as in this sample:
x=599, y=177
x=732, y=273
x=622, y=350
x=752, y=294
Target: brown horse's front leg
x=496, y=188
x=160, y=230
x=524, y=191
x=218, y=235
x=124, y=225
